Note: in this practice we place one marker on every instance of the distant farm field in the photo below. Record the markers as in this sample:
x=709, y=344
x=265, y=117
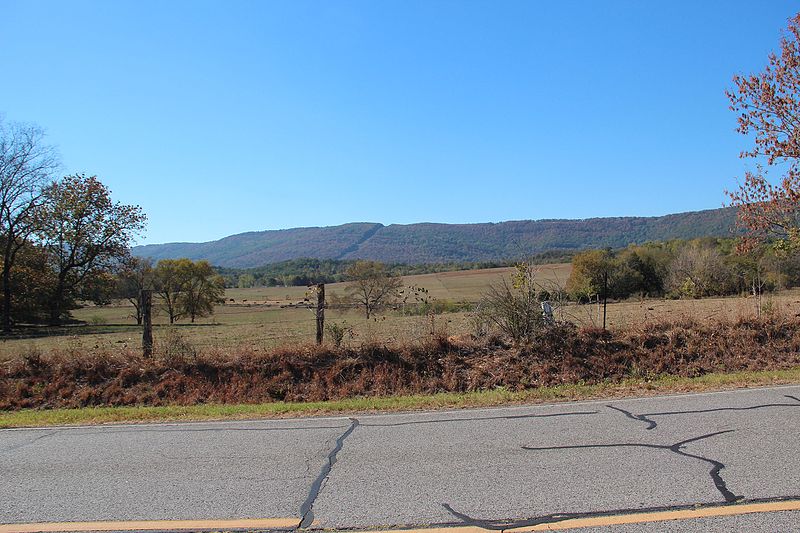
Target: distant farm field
x=263, y=318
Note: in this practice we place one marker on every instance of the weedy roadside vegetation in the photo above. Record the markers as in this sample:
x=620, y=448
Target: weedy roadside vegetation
x=561, y=354
x=505, y=343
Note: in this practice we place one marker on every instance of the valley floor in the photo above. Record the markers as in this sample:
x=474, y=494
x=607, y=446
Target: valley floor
x=264, y=318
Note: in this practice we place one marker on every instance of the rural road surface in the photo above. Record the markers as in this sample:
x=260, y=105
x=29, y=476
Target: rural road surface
x=685, y=458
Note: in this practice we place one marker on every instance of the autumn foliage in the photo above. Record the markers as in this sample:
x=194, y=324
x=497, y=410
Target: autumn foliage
x=768, y=104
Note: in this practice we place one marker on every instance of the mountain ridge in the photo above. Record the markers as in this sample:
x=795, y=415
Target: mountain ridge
x=429, y=242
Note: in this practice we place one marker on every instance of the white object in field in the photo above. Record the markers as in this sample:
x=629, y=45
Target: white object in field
x=547, y=311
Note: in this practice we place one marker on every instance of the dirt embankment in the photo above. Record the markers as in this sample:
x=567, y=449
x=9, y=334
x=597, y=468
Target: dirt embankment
x=563, y=354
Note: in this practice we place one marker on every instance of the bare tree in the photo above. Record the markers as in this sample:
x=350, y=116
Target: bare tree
x=371, y=285
x=26, y=166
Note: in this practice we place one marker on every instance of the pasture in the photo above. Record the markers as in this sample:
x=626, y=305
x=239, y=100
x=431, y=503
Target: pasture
x=263, y=318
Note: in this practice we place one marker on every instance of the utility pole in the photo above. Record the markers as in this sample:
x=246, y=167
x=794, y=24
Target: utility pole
x=147, y=321
x=320, y=312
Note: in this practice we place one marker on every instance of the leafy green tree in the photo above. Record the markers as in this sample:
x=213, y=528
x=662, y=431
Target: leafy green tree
x=626, y=276
x=202, y=289
x=85, y=233
x=170, y=277
x=98, y=288
x=653, y=264
x=588, y=276
x=371, y=285
x=246, y=281
x=188, y=288
x=638, y=270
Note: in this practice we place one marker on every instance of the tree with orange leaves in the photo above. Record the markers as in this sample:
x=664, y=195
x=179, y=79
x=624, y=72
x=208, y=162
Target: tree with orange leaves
x=768, y=104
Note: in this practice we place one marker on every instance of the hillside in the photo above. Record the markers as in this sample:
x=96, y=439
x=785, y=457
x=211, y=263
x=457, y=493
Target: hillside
x=429, y=243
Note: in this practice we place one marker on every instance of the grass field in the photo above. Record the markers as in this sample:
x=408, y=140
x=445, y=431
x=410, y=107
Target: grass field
x=262, y=318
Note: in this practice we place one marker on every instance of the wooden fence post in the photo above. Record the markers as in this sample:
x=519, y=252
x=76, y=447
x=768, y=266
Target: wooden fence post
x=320, y=312
x=605, y=297
x=147, y=321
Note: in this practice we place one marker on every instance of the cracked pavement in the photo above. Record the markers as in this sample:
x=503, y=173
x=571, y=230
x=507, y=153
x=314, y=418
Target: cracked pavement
x=493, y=468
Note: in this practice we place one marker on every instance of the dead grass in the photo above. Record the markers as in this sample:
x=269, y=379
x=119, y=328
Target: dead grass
x=629, y=387
x=252, y=358
x=186, y=375
x=251, y=323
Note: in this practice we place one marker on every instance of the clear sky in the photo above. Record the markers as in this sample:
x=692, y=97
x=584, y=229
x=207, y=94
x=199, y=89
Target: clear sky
x=224, y=117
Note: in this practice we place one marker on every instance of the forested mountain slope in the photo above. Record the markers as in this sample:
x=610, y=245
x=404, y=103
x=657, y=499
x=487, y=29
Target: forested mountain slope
x=429, y=243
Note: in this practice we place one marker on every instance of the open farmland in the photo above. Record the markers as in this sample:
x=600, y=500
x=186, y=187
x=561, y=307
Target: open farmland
x=262, y=318
x=463, y=285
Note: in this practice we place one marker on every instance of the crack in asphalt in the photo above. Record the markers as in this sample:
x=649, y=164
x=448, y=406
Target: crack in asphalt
x=30, y=442
x=641, y=418
x=503, y=525
x=507, y=417
x=312, y=457
x=652, y=424
x=307, y=508
x=717, y=466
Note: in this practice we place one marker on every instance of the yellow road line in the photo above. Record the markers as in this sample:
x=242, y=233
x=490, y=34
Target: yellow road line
x=661, y=516
x=631, y=518
x=153, y=525
x=455, y=529
x=291, y=523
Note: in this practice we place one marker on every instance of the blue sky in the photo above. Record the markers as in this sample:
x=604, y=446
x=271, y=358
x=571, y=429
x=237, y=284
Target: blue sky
x=224, y=117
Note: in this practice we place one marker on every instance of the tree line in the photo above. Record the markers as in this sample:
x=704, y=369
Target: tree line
x=185, y=288
x=681, y=269
x=309, y=271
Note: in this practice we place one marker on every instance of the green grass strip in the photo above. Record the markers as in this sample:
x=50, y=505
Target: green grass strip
x=495, y=397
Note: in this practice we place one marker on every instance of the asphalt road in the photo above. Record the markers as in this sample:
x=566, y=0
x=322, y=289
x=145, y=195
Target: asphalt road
x=491, y=468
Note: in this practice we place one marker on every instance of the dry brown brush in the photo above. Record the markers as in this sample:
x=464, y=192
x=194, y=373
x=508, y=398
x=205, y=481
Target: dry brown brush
x=558, y=355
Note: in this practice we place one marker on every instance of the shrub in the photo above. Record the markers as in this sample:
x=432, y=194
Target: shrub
x=175, y=349
x=97, y=320
x=337, y=332
x=515, y=308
